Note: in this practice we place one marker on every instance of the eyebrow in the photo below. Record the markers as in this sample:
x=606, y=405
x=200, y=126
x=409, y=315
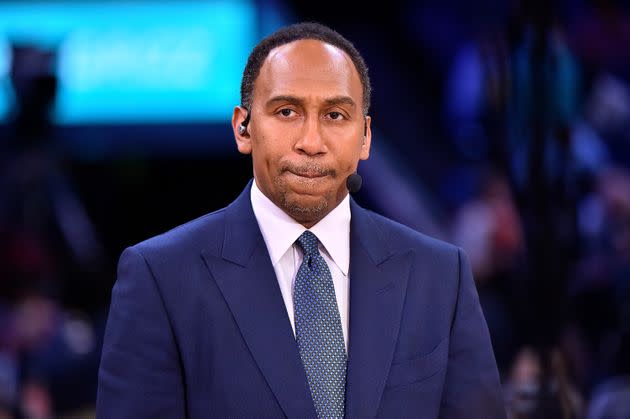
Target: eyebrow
x=340, y=100
x=294, y=100
x=285, y=98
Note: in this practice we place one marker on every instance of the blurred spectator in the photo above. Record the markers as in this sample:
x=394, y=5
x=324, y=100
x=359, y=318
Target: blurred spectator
x=490, y=231
x=36, y=196
x=538, y=387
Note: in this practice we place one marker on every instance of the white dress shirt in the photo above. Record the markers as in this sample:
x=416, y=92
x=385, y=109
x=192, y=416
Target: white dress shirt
x=280, y=232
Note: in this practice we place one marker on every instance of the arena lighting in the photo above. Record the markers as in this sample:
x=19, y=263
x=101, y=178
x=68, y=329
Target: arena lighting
x=143, y=61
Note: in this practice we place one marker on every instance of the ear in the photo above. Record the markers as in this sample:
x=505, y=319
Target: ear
x=243, y=141
x=367, y=139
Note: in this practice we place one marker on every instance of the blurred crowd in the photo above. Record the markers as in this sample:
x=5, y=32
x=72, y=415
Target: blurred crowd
x=536, y=112
x=540, y=114
x=50, y=260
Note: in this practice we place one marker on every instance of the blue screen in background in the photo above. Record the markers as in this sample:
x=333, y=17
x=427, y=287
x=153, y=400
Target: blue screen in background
x=136, y=62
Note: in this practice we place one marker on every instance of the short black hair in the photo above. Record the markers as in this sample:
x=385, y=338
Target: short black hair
x=299, y=31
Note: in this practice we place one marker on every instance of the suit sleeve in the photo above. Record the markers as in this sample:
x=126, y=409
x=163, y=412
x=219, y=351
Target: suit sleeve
x=140, y=374
x=472, y=388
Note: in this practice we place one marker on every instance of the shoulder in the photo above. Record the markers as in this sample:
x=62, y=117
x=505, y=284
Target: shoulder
x=383, y=236
x=203, y=233
x=400, y=237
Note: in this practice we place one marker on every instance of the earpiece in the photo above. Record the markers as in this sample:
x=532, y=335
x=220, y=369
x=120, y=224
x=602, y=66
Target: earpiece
x=242, y=129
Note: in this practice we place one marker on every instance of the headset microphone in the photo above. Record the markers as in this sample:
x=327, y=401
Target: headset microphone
x=353, y=183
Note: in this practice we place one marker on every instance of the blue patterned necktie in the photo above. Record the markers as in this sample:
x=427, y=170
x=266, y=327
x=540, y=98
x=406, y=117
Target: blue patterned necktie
x=318, y=330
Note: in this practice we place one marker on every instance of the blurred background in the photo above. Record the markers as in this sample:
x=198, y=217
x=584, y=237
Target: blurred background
x=503, y=127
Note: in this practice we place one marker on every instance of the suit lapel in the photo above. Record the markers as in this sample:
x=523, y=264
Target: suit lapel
x=378, y=280
x=245, y=276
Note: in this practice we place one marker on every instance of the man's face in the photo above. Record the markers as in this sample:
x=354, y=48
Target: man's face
x=306, y=133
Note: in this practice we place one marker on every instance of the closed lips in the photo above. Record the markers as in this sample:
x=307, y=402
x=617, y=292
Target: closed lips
x=308, y=174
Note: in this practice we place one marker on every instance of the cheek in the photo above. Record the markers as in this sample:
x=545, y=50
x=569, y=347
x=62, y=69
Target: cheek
x=267, y=154
x=351, y=154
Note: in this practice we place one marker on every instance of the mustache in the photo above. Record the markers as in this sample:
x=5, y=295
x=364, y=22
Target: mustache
x=308, y=169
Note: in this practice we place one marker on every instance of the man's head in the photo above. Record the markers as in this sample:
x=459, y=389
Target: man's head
x=305, y=95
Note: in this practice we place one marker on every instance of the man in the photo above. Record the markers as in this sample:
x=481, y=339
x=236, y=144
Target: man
x=294, y=301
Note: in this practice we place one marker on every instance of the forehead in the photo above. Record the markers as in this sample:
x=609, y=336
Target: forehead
x=308, y=68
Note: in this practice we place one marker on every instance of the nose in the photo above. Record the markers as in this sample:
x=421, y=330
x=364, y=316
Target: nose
x=311, y=142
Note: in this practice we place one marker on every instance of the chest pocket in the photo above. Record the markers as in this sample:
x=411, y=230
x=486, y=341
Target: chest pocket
x=419, y=368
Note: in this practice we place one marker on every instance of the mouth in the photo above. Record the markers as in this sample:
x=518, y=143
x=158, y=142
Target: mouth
x=309, y=171
x=308, y=175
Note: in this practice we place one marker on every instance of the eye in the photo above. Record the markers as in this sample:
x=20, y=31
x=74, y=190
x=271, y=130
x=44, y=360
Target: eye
x=286, y=112
x=335, y=116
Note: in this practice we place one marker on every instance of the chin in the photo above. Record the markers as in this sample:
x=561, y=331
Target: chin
x=305, y=208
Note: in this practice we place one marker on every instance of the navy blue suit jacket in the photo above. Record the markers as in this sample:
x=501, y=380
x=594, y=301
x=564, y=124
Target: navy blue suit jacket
x=198, y=328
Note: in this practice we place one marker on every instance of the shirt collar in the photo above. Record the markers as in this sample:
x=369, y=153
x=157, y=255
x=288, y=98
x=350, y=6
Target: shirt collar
x=280, y=231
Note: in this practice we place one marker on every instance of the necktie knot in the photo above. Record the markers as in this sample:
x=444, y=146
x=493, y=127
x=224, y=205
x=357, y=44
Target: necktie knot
x=309, y=243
